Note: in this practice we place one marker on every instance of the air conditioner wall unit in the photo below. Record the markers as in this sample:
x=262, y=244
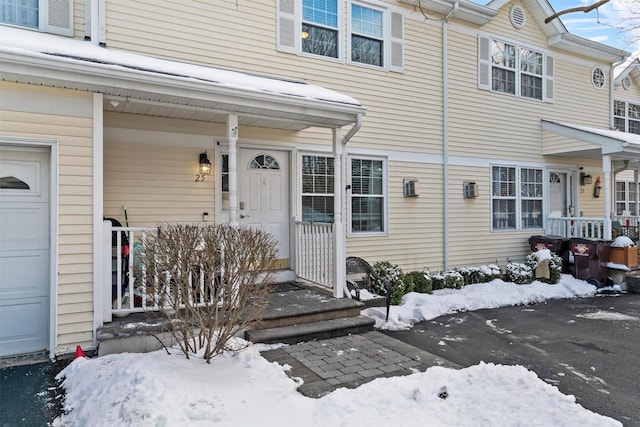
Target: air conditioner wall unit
x=470, y=190
x=411, y=188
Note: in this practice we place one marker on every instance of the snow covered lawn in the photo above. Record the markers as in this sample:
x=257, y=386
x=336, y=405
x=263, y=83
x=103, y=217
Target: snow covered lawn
x=244, y=389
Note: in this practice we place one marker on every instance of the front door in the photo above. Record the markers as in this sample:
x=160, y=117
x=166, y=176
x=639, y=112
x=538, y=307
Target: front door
x=560, y=194
x=263, y=195
x=24, y=251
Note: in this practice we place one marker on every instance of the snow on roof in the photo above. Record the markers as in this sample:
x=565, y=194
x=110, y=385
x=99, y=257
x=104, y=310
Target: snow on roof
x=34, y=44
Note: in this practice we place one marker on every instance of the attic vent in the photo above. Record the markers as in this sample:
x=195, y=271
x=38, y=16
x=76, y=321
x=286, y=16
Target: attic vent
x=626, y=83
x=517, y=17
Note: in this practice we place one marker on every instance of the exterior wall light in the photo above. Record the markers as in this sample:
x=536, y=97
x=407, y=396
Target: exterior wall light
x=205, y=164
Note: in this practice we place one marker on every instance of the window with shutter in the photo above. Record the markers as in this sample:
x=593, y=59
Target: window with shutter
x=373, y=34
x=515, y=70
x=51, y=16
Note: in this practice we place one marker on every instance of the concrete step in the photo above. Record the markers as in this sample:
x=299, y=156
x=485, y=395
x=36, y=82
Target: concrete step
x=323, y=329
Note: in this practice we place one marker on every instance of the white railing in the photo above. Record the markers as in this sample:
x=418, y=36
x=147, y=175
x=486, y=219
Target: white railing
x=314, y=252
x=131, y=289
x=576, y=227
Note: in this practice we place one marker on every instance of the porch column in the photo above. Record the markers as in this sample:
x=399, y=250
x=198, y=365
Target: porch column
x=232, y=136
x=637, y=190
x=606, y=167
x=339, y=241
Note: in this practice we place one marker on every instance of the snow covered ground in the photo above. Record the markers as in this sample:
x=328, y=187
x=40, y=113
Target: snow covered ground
x=244, y=389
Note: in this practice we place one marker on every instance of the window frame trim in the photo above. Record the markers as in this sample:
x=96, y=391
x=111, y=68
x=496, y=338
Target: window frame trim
x=385, y=195
x=545, y=77
x=386, y=34
x=518, y=197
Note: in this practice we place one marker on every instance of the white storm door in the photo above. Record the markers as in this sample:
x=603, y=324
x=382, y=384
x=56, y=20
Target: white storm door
x=263, y=195
x=560, y=194
x=24, y=251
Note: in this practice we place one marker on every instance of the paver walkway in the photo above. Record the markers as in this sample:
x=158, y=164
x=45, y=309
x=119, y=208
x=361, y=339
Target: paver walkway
x=350, y=361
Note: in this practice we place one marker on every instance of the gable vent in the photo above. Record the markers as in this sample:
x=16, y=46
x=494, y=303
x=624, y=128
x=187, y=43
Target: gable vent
x=626, y=83
x=517, y=17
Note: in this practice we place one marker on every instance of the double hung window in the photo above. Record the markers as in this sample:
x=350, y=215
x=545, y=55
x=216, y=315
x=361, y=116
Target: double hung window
x=368, y=196
x=515, y=70
x=320, y=27
x=626, y=116
x=516, y=198
x=367, y=35
x=625, y=198
x=52, y=16
x=317, y=188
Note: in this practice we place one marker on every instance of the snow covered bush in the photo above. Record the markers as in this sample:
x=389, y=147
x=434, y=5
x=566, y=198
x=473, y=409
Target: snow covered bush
x=421, y=282
x=519, y=273
x=622, y=242
x=481, y=274
x=555, y=265
x=386, y=274
x=446, y=280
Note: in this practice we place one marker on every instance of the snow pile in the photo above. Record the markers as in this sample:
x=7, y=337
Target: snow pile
x=622, y=242
x=157, y=389
x=418, y=307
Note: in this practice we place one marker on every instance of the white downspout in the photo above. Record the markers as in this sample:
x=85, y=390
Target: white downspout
x=445, y=134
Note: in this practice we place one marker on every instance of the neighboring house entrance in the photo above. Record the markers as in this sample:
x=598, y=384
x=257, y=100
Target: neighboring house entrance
x=560, y=194
x=263, y=195
x=24, y=250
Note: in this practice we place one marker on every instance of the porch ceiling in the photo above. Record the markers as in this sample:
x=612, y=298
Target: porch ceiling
x=138, y=84
x=589, y=142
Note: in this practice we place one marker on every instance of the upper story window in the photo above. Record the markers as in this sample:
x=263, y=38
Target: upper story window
x=367, y=36
x=373, y=34
x=597, y=77
x=320, y=27
x=515, y=70
x=626, y=116
x=51, y=16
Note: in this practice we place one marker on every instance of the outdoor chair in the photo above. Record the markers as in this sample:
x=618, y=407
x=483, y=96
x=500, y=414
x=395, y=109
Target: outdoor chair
x=359, y=276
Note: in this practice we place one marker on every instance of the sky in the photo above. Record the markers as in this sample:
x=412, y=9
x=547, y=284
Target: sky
x=616, y=23
x=243, y=389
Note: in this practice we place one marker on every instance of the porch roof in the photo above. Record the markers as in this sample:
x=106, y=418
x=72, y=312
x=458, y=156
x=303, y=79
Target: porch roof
x=138, y=84
x=589, y=142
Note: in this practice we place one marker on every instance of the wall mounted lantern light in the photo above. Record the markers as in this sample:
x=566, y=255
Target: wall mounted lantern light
x=205, y=164
x=585, y=179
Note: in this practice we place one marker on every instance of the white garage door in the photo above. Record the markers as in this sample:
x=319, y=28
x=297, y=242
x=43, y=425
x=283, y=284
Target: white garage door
x=24, y=251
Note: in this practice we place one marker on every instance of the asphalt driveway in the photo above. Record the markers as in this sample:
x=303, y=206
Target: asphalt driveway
x=589, y=348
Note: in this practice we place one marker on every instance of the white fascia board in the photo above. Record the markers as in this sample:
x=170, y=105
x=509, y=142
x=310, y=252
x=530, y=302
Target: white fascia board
x=101, y=77
x=467, y=10
x=588, y=47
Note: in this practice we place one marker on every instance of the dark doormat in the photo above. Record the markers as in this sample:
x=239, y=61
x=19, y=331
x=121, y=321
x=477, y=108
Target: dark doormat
x=30, y=394
x=285, y=287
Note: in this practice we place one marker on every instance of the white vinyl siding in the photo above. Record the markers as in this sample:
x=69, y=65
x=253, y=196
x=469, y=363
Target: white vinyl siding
x=51, y=16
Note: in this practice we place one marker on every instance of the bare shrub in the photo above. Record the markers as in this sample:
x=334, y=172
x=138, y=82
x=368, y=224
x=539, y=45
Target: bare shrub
x=209, y=281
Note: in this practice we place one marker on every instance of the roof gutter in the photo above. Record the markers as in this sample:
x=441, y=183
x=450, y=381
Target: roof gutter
x=587, y=47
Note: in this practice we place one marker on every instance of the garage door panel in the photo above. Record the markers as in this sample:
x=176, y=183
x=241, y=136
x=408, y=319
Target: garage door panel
x=21, y=326
x=21, y=275
x=14, y=234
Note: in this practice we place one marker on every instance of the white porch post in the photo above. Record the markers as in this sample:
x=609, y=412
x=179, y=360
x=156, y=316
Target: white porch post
x=635, y=179
x=232, y=136
x=339, y=242
x=606, y=167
